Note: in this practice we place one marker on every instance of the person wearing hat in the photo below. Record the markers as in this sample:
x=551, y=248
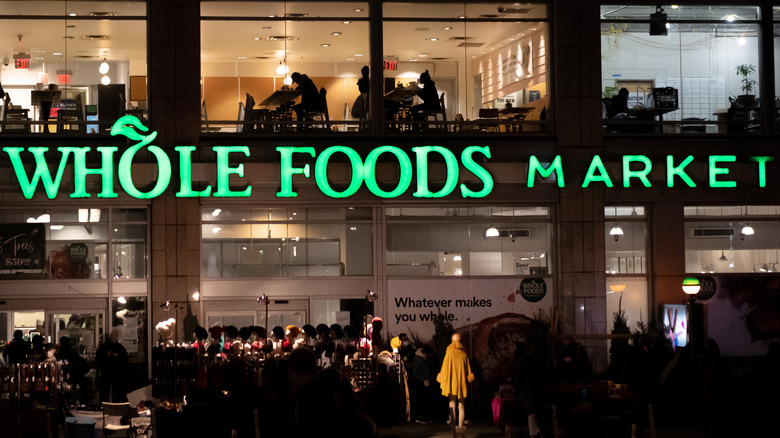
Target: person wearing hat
x=291, y=333
x=454, y=377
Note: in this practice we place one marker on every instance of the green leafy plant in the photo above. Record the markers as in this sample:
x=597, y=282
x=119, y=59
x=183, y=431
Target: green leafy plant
x=745, y=70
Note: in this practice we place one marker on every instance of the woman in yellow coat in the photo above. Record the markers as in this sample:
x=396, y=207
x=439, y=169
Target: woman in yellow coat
x=454, y=378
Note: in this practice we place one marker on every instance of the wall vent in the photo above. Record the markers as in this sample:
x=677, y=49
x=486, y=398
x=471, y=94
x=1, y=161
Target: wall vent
x=713, y=232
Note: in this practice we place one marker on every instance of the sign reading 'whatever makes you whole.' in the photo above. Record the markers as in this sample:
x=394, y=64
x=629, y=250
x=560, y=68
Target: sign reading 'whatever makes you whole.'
x=465, y=175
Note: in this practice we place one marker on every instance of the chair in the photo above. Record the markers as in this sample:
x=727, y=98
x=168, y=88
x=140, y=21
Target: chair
x=321, y=112
x=441, y=125
x=65, y=117
x=121, y=410
x=13, y=114
x=488, y=119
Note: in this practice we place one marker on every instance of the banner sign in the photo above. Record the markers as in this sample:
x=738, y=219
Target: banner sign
x=465, y=174
x=22, y=246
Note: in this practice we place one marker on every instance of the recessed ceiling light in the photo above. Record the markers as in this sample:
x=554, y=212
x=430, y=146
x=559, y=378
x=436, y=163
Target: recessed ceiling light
x=462, y=17
x=358, y=54
x=265, y=27
x=38, y=59
x=350, y=59
x=347, y=22
x=335, y=33
x=422, y=55
x=272, y=16
x=413, y=60
x=358, y=9
x=447, y=28
x=533, y=28
x=72, y=14
x=325, y=44
x=40, y=51
x=434, y=39
x=57, y=53
x=242, y=57
x=257, y=38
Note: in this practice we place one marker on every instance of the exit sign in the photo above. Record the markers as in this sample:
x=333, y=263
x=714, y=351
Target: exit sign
x=22, y=63
x=391, y=65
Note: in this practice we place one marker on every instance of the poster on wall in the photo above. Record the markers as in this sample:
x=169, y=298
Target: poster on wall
x=22, y=246
x=517, y=63
x=491, y=315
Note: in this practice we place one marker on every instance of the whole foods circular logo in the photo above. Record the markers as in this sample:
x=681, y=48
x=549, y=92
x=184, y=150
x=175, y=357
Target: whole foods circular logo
x=708, y=288
x=533, y=289
x=78, y=251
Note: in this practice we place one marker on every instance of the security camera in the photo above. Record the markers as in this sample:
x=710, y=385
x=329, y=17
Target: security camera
x=616, y=237
x=6, y=61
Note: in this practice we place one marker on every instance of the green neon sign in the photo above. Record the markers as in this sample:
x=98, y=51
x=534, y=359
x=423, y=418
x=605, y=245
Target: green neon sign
x=468, y=171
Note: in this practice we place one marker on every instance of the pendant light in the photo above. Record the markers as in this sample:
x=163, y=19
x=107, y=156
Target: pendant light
x=104, y=67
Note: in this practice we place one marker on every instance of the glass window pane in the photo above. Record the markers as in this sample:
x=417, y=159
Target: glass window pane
x=728, y=246
x=248, y=64
x=498, y=61
x=625, y=247
x=681, y=70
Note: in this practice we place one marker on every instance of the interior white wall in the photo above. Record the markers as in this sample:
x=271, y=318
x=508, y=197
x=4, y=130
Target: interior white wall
x=641, y=56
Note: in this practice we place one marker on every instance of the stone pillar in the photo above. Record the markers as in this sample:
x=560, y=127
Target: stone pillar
x=581, y=298
x=174, y=112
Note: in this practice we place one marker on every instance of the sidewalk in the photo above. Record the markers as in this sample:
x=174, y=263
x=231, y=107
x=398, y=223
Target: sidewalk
x=439, y=430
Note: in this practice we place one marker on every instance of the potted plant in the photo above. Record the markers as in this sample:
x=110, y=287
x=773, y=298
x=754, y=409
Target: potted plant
x=747, y=99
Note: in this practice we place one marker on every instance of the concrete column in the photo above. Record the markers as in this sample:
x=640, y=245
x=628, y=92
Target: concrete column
x=174, y=96
x=576, y=115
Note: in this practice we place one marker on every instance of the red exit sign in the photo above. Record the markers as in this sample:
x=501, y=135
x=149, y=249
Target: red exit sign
x=22, y=63
x=391, y=65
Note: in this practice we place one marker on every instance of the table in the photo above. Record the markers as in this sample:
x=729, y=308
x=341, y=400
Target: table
x=401, y=94
x=515, y=115
x=651, y=113
x=279, y=98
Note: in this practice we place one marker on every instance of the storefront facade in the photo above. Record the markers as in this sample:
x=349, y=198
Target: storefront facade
x=484, y=229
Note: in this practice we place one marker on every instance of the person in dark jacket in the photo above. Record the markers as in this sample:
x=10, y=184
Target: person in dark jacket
x=17, y=350
x=112, y=360
x=528, y=381
x=422, y=391
x=310, y=99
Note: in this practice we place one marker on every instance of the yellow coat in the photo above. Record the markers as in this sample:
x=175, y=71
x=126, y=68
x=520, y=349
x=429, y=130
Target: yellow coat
x=455, y=372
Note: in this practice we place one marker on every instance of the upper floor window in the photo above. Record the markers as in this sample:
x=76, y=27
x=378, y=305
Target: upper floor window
x=286, y=242
x=680, y=69
x=72, y=66
x=458, y=241
x=732, y=239
x=74, y=243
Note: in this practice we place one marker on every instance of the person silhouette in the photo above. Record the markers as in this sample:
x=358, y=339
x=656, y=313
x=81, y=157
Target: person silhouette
x=310, y=97
x=428, y=94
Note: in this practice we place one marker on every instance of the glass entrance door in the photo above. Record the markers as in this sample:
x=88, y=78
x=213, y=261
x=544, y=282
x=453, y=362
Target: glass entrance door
x=84, y=329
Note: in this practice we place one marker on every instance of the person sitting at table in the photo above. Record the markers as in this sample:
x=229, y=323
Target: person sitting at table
x=310, y=99
x=619, y=104
x=429, y=96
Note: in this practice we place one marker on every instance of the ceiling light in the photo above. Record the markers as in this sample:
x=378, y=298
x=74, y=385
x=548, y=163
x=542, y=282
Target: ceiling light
x=325, y=45
x=282, y=68
x=57, y=227
x=434, y=39
x=103, y=69
x=216, y=212
x=350, y=59
x=242, y=57
x=358, y=9
x=616, y=232
x=457, y=258
x=491, y=232
x=347, y=22
x=422, y=55
x=57, y=53
x=122, y=300
x=617, y=287
x=741, y=41
x=257, y=38
x=358, y=54
x=675, y=6
x=216, y=230
x=747, y=230
x=335, y=33
x=72, y=14
x=196, y=296
x=105, y=80
x=730, y=17
x=287, y=80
